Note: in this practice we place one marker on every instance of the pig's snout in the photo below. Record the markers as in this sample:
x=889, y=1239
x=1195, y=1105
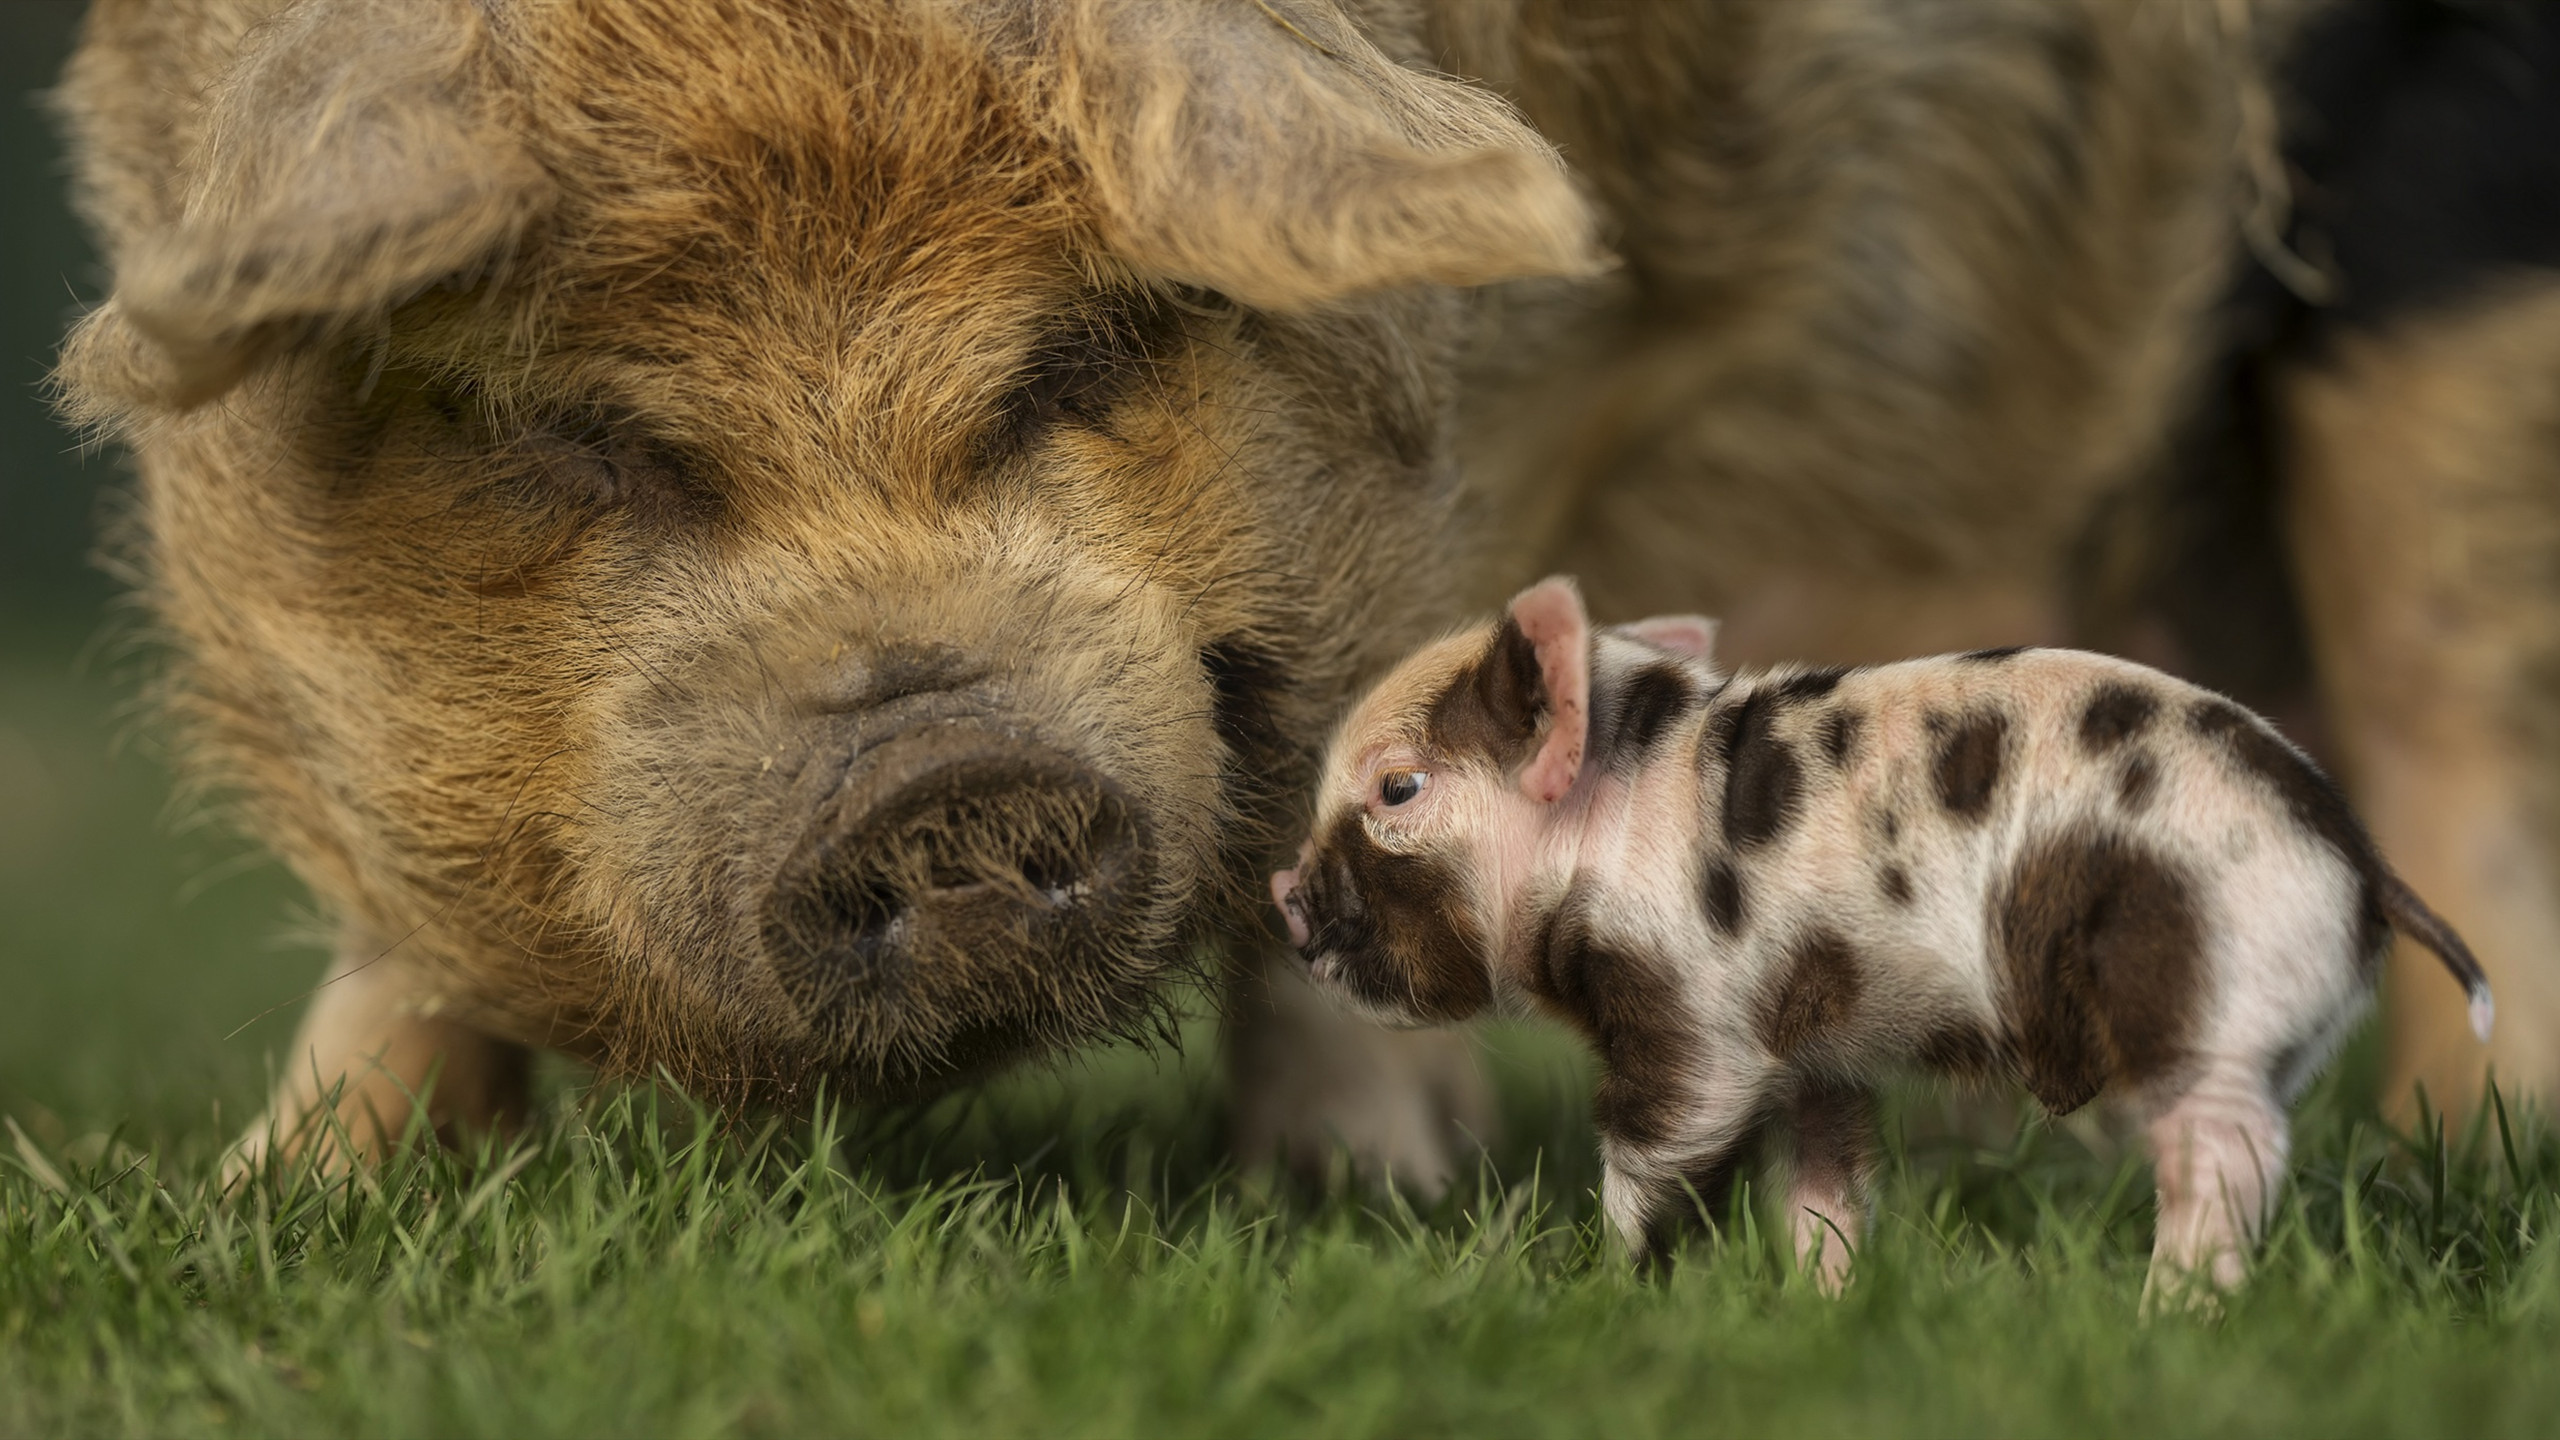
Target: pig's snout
x=1284, y=893
x=953, y=867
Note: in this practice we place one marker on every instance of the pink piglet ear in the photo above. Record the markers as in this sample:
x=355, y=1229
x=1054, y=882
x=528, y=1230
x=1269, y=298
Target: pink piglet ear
x=1690, y=635
x=1550, y=616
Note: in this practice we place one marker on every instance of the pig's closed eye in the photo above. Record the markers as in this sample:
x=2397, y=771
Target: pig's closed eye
x=607, y=462
x=1398, y=787
x=1080, y=368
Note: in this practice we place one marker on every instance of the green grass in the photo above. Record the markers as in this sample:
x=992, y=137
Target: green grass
x=1062, y=1252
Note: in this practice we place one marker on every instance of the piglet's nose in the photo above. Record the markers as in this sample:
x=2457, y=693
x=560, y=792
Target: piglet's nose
x=1284, y=893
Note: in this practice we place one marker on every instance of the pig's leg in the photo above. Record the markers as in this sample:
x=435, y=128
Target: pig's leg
x=1649, y=1185
x=2424, y=524
x=372, y=1038
x=2219, y=1152
x=1834, y=1132
x=1322, y=1092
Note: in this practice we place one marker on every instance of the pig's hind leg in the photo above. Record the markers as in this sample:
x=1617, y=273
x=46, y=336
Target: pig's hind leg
x=1833, y=1128
x=2219, y=1152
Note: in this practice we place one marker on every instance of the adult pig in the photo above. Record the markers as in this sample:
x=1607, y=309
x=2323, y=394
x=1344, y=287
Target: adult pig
x=786, y=542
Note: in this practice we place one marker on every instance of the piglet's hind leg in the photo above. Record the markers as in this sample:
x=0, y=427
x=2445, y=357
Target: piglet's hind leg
x=1834, y=1127
x=2219, y=1151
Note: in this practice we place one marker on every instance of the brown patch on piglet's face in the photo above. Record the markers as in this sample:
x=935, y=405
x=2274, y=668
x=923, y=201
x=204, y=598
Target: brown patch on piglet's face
x=1434, y=794
x=1394, y=933
x=1383, y=903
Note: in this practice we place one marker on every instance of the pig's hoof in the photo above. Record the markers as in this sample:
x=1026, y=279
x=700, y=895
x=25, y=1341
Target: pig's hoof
x=1407, y=1109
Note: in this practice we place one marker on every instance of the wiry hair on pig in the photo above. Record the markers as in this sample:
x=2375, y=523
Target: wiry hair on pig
x=765, y=544
x=1755, y=895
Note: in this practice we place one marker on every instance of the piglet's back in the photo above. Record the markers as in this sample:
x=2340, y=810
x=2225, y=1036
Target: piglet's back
x=2084, y=871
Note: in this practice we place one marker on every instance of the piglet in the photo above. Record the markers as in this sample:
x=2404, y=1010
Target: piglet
x=1756, y=895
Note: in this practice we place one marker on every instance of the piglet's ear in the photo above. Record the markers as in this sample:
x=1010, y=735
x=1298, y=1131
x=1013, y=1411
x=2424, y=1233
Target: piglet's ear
x=1550, y=617
x=1690, y=635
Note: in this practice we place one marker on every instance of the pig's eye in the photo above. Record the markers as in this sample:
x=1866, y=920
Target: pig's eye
x=1397, y=787
x=608, y=462
x=1079, y=369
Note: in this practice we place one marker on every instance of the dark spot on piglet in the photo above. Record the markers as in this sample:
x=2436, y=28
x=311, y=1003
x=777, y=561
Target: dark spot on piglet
x=1815, y=994
x=1654, y=700
x=1724, y=897
x=2100, y=957
x=1810, y=684
x=1400, y=926
x=1626, y=1005
x=2314, y=803
x=1840, y=731
x=2117, y=713
x=1968, y=762
x=1897, y=884
x=1994, y=656
x=2308, y=796
x=2136, y=781
x=1956, y=1046
x=1762, y=781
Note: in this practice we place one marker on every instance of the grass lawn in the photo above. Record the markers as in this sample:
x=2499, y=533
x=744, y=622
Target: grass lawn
x=1061, y=1253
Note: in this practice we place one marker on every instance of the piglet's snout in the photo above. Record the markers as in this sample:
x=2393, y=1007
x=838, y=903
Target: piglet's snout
x=1284, y=893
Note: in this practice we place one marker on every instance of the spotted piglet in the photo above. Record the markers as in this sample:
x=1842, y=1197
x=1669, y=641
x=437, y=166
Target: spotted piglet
x=1756, y=895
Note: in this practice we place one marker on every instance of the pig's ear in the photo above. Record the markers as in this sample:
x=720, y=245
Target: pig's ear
x=1690, y=635
x=345, y=160
x=1268, y=150
x=1550, y=617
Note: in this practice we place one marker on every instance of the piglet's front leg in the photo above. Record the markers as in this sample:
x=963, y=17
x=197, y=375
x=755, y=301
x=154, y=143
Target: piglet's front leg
x=1671, y=1151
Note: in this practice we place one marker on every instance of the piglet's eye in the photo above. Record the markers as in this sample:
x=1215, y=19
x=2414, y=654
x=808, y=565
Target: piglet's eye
x=1399, y=786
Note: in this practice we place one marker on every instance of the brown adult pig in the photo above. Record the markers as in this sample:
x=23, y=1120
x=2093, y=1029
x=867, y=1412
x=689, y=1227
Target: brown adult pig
x=1755, y=895
x=783, y=542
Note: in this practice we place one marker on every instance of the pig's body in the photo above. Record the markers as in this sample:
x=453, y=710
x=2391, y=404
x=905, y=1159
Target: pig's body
x=1753, y=896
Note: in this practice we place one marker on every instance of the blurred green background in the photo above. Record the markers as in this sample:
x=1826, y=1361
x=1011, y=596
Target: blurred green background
x=133, y=943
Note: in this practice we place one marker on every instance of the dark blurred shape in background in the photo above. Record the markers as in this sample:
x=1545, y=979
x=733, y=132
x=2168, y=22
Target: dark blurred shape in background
x=49, y=495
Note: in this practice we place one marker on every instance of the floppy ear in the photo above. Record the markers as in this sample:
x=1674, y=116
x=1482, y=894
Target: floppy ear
x=1690, y=635
x=345, y=162
x=1550, y=617
x=1266, y=149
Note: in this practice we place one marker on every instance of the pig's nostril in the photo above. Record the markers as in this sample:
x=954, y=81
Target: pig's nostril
x=1054, y=878
x=951, y=858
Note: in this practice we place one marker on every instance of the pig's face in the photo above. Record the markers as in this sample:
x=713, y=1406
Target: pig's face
x=827, y=593
x=1437, y=793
